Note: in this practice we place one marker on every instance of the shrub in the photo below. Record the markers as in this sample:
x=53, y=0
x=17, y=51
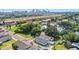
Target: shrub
x=77, y=38
x=14, y=46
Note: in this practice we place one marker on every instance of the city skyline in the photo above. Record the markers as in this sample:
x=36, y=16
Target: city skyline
x=51, y=10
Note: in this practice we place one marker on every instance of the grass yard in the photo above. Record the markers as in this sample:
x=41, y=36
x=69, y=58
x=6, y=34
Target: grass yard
x=59, y=46
x=25, y=35
x=7, y=43
x=18, y=19
x=13, y=28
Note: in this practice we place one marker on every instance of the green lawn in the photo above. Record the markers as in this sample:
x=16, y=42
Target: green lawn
x=7, y=43
x=25, y=35
x=59, y=46
x=13, y=28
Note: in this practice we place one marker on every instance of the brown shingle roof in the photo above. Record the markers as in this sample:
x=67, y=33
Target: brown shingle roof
x=26, y=45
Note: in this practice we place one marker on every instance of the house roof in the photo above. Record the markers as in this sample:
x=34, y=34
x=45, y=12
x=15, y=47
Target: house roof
x=76, y=45
x=73, y=49
x=26, y=45
x=5, y=38
x=77, y=33
x=21, y=45
x=41, y=40
x=1, y=30
x=2, y=34
x=34, y=46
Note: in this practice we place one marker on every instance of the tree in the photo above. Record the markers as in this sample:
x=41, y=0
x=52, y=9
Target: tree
x=48, y=23
x=65, y=32
x=36, y=31
x=18, y=23
x=54, y=19
x=25, y=28
x=72, y=37
x=69, y=37
x=76, y=27
x=9, y=26
x=52, y=31
x=77, y=38
x=29, y=28
x=14, y=46
x=66, y=24
x=67, y=44
x=3, y=20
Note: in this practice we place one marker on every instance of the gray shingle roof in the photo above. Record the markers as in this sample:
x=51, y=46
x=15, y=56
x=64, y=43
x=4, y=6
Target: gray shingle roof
x=76, y=45
x=5, y=38
x=2, y=33
x=41, y=40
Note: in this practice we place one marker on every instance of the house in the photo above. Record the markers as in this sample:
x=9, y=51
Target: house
x=59, y=28
x=75, y=46
x=77, y=33
x=2, y=34
x=26, y=45
x=21, y=46
x=4, y=37
x=43, y=26
x=45, y=20
x=44, y=23
x=34, y=46
x=42, y=40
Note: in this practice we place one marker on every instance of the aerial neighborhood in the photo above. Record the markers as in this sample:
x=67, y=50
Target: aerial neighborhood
x=39, y=30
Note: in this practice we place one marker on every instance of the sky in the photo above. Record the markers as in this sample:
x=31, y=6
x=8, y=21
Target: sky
x=55, y=5
x=39, y=4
